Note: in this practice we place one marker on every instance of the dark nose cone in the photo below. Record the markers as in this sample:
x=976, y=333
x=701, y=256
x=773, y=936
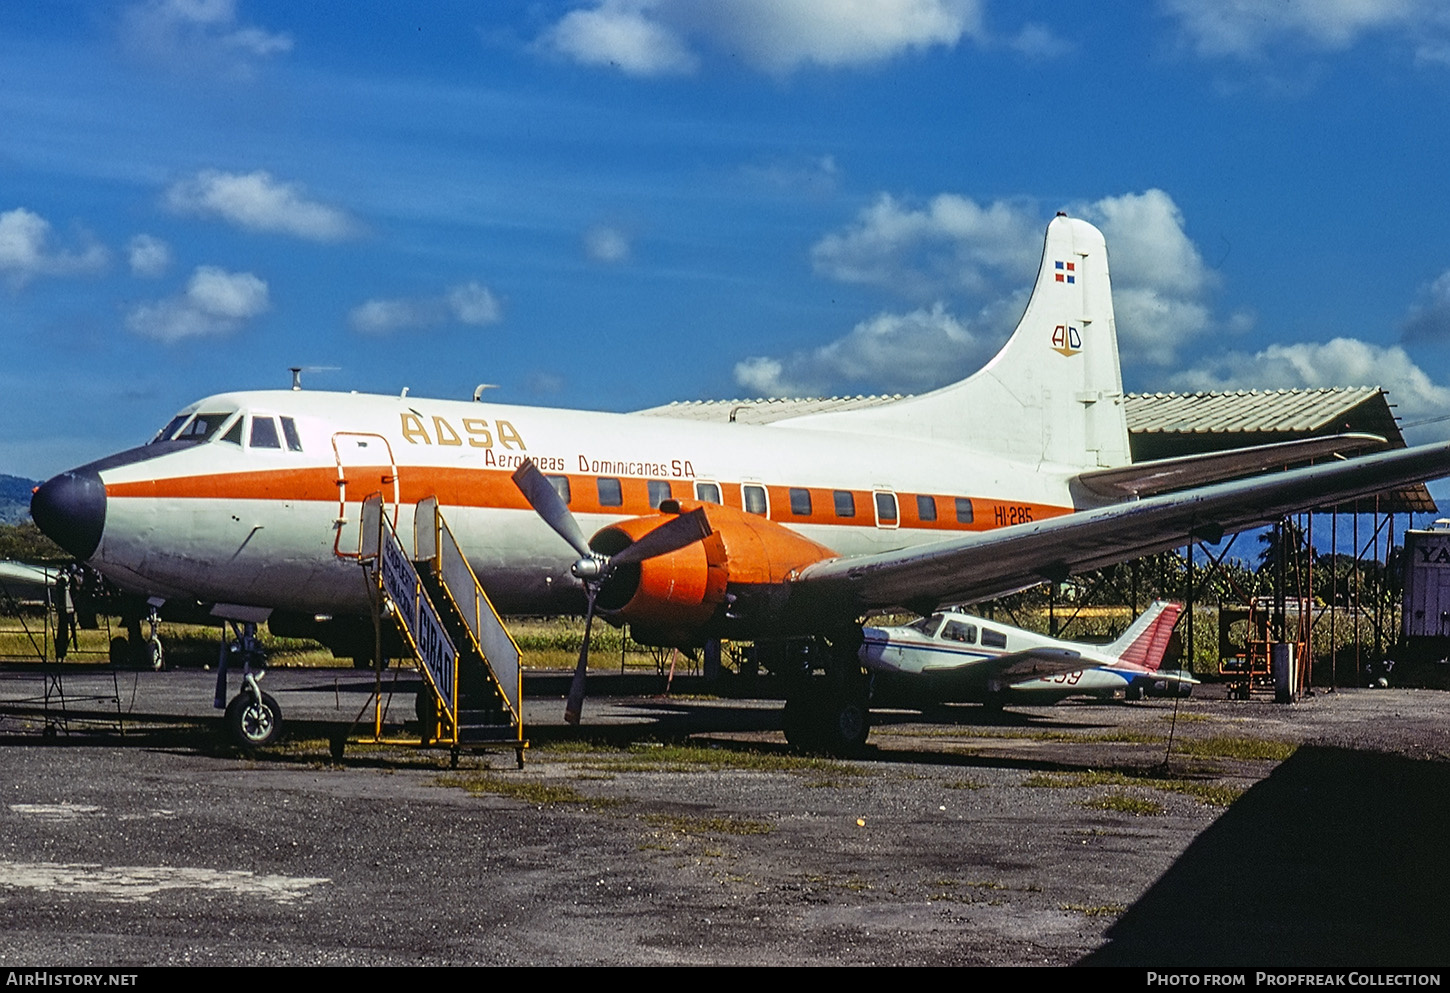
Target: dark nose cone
x=71, y=510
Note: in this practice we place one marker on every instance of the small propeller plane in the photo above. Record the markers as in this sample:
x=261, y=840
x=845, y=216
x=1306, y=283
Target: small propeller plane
x=785, y=534
x=950, y=656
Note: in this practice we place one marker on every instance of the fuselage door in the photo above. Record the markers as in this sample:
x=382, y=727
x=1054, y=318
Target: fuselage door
x=365, y=465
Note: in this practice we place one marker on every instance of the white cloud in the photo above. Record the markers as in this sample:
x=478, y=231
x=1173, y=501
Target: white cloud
x=950, y=244
x=1308, y=365
x=26, y=252
x=953, y=253
x=215, y=302
x=258, y=202
x=905, y=353
x=1429, y=318
x=1160, y=281
x=149, y=256
x=1245, y=28
x=467, y=303
x=658, y=37
x=603, y=244
x=199, y=35
x=954, y=245
x=621, y=34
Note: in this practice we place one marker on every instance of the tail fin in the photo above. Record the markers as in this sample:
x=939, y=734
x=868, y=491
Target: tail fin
x=1053, y=394
x=1146, y=639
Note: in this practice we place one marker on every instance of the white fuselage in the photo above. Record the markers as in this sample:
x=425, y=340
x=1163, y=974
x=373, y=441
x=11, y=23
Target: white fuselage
x=226, y=520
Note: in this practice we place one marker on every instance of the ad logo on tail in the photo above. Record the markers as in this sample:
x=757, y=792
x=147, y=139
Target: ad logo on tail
x=1066, y=340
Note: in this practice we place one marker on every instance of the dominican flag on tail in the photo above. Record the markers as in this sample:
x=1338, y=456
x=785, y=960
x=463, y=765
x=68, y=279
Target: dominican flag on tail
x=1066, y=272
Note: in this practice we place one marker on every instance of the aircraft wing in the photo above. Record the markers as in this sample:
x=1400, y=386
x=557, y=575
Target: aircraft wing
x=1017, y=666
x=1139, y=479
x=986, y=564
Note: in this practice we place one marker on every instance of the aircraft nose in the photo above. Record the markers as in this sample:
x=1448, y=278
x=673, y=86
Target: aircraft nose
x=71, y=510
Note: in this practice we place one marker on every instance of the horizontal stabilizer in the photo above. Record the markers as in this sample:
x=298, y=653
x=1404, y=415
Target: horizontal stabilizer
x=1162, y=475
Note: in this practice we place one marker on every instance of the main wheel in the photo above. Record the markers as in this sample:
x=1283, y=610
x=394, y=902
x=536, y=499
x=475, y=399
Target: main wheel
x=252, y=725
x=801, y=723
x=155, y=655
x=844, y=724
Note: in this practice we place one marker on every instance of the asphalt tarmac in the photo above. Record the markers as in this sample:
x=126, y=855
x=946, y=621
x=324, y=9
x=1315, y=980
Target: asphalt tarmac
x=681, y=830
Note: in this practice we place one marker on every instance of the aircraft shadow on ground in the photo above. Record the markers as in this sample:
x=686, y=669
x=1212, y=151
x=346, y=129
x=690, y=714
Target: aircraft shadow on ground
x=1336, y=859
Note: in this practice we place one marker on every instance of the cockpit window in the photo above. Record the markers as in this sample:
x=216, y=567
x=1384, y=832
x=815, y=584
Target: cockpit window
x=289, y=431
x=203, y=427
x=234, y=433
x=264, y=433
x=165, y=433
x=927, y=625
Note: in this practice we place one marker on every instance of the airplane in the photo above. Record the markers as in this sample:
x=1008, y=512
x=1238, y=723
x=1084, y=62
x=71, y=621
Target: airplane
x=951, y=656
x=784, y=534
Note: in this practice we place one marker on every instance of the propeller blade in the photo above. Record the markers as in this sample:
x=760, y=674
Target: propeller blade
x=546, y=502
x=574, y=703
x=686, y=529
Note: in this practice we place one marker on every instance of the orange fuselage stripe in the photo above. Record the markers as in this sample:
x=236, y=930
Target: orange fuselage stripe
x=494, y=488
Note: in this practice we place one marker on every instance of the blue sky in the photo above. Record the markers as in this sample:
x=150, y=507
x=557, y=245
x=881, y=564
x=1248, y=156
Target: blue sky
x=616, y=203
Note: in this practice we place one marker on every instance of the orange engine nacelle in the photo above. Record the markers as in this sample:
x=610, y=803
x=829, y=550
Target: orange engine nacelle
x=676, y=594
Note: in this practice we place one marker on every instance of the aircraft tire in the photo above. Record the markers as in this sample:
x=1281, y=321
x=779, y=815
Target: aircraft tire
x=843, y=726
x=155, y=657
x=250, y=725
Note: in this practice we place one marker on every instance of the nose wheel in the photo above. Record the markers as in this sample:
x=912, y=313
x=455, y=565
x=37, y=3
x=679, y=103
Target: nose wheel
x=253, y=720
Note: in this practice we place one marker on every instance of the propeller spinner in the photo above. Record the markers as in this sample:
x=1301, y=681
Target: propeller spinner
x=594, y=568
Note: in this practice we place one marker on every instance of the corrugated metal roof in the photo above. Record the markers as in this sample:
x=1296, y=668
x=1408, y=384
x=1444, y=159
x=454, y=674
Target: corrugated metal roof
x=1247, y=411
x=765, y=410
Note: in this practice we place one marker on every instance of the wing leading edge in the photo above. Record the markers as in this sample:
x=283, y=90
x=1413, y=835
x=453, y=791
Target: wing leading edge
x=976, y=566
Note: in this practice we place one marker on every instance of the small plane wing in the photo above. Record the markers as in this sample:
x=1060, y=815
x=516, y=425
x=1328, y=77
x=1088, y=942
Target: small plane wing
x=1139, y=479
x=1016, y=666
x=985, y=564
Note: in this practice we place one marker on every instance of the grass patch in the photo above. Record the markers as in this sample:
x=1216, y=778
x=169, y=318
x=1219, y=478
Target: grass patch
x=1098, y=910
x=1213, y=794
x=698, y=826
x=651, y=757
x=1188, y=718
x=527, y=790
x=1122, y=803
x=1226, y=747
x=965, y=784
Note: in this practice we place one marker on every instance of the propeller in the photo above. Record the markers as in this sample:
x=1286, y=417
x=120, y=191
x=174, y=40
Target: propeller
x=594, y=568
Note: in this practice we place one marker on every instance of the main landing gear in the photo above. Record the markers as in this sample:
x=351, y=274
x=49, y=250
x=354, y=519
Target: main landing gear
x=828, y=713
x=253, y=718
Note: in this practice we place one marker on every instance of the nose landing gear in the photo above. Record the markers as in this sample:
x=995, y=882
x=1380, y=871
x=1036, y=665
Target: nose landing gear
x=253, y=718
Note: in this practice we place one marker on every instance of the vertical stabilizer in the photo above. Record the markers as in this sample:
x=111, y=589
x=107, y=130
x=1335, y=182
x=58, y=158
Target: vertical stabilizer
x=1053, y=394
x=1146, y=640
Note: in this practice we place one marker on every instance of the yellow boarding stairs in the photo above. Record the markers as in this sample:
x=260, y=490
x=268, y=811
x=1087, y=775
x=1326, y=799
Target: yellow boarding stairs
x=473, y=682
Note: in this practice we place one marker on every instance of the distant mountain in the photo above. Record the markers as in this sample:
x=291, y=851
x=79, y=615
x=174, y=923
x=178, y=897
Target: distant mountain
x=15, y=499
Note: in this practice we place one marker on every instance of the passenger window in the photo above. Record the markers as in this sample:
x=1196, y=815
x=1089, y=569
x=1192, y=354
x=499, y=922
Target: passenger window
x=964, y=510
x=289, y=431
x=800, y=502
x=925, y=507
x=755, y=500
x=659, y=492
x=234, y=434
x=993, y=639
x=845, y=503
x=610, y=492
x=264, y=433
x=965, y=633
x=561, y=486
x=886, y=508
x=707, y=492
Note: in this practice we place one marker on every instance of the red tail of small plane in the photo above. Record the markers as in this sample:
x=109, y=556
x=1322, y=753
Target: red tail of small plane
x=1146, y=640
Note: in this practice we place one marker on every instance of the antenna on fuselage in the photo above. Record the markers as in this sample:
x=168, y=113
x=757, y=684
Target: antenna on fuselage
x=296, y=377
x=478, y=390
